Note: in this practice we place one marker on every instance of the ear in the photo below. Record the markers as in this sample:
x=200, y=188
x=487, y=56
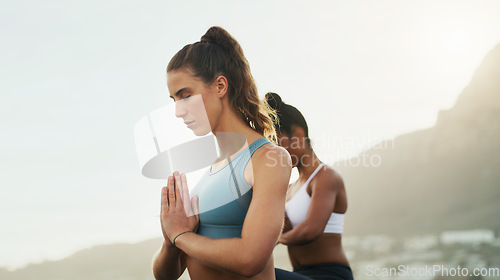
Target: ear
x=221, y=86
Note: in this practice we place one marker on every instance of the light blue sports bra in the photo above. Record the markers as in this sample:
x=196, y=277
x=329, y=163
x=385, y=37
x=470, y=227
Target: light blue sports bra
x=224, y=196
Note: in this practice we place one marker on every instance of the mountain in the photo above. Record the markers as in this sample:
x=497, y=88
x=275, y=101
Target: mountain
x=119, y=261
x=446, y=177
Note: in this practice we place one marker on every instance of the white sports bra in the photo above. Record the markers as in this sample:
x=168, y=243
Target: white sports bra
x=296, y=208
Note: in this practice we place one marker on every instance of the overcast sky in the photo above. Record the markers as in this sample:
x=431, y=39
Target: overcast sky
x=78, y=75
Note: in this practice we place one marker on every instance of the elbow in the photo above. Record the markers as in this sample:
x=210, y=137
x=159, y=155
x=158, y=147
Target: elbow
x=251, y=270
x=311, y=234
x=252, y=266
x=162, y=271
x=158, y=275
x=154, y=267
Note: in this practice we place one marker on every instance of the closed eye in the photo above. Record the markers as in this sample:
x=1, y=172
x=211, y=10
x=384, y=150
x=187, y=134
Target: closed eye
x=185, y=98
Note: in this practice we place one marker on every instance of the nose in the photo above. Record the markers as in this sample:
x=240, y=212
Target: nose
x=180, y=109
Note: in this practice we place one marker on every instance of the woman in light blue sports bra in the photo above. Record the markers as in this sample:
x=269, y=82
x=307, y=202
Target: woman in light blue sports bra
x=228, y=226
x=315, y=207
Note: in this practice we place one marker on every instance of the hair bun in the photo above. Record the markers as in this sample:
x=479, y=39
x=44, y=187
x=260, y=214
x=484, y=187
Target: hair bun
x=218, y=35
x=274, y=100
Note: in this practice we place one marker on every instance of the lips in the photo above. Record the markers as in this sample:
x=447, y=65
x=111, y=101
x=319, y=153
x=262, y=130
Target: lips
x=188, y=123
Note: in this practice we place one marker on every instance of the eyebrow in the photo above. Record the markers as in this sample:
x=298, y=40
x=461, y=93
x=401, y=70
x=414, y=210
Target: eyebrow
x=180, y=92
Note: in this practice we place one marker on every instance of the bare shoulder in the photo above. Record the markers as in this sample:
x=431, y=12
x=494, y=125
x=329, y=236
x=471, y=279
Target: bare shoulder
x=272, y=165
x=272, y=156
x=328, y=178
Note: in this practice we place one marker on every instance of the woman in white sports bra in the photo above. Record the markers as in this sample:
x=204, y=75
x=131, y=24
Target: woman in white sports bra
x=315, y=207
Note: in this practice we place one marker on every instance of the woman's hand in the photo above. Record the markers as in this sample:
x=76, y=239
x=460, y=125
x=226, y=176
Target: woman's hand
x=179, y=213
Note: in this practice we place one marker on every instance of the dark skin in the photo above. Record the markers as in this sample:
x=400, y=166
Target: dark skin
x=307, y=244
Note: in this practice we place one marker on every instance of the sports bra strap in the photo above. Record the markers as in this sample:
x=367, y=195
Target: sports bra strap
x=314, y=173
x=237, y=182
x=252, y=148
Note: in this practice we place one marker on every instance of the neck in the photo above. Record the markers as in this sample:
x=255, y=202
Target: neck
x=232, y=133
x=230, y=142
x=307, y=164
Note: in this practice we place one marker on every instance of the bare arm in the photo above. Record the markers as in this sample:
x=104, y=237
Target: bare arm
x=287, y=226
x=167, y=263
x=248, y=255
x=324, y=193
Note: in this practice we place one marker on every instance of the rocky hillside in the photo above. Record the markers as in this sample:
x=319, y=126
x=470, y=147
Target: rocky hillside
x=442, y=178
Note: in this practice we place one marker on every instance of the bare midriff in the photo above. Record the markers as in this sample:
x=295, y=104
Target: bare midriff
x=199, y=271
x=326, y=249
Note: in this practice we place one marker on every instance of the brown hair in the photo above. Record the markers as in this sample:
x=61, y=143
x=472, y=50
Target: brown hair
x=218, y=53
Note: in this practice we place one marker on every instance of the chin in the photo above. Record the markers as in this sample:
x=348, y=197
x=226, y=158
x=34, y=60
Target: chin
x=201, y=131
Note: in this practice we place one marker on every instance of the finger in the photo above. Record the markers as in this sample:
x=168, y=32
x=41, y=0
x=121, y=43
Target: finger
x=164, y=200
x=185, y=196
x=178, y=189
x=171, y=192
x=195, y=206
x=185, y=189
x=178, y=186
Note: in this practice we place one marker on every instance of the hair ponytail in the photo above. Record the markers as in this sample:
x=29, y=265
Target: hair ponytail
x=218, y=53
x=288, y=117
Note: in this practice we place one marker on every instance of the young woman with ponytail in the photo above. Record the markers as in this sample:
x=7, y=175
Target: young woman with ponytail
x=231, y=223
x=315, y=206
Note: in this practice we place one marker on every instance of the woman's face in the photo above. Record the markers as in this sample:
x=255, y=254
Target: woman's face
x=195, y=102
x=289, y=142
